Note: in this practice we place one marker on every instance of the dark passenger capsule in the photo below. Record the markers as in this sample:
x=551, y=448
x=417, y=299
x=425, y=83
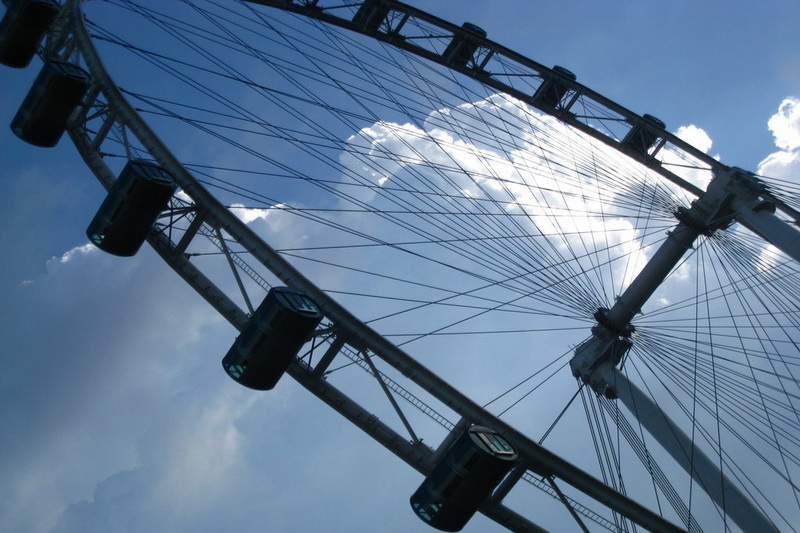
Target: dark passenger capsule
x=464, y=478
x=462, y=48
x=641, y=138
x=553, y=89
x=272, y=338
x=131, y=207
x=56, y=92
x=23, y=28
x=371, y=14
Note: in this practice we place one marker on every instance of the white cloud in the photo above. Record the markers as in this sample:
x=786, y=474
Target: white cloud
x=695, y=136
x=700, y=177
x=494, y=164
x=783, y=165
x=190, y=463
x=78, y=251
x=183, y=445
x=248, y=215
x=785, y=124
x=122, y=420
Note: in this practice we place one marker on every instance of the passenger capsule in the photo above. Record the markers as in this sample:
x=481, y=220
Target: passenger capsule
x=641, y=138
x=463, y=479
x=272, y=338
x=371, y=14
x=131, y=207
x=462, y=48
x=22, y=29
x=552, y=91
x=45, y=112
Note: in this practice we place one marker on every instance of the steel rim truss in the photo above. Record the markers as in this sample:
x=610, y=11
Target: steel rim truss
x=198, y=214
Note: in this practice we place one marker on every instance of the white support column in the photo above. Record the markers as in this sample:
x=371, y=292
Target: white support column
x=652, y=275
x=724, y=492
x=762, y=221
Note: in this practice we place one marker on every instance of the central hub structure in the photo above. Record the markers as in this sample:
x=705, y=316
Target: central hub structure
x=729, y=195
x=606, y=348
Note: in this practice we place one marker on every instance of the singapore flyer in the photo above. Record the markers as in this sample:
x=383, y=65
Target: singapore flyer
x=381, y=266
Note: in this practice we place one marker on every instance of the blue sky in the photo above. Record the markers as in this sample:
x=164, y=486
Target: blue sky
x=115, y=413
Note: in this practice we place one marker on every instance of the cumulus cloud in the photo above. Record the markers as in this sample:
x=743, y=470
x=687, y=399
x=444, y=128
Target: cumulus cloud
x=248, y=215
x=784, y=164
x=78, y=251
x=499, y=163
x=675, y=161
x=785, y=124
x=120, y=417
x=695, y=136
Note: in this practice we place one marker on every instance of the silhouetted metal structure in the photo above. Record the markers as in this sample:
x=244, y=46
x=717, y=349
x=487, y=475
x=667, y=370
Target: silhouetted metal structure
x=272, y=337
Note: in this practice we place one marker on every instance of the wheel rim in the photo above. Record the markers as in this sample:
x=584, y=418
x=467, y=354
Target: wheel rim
x=489, y=277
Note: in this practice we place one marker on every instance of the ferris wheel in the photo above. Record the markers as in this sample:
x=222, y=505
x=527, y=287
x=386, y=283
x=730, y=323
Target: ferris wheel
x=530, y=294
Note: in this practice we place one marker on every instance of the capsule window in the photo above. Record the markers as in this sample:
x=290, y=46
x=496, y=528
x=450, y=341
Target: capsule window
x=236, y=370
x=428, y=510
x=496, y=443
